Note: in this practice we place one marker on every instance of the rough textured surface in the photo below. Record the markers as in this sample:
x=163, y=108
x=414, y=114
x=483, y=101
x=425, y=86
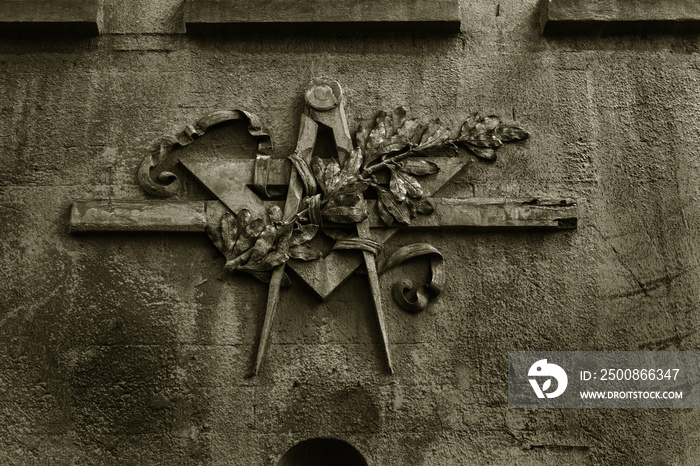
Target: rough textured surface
x=133, y=349
x=640, y=16
x=206, y=16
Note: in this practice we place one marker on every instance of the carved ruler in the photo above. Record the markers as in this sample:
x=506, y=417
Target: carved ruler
x=327, y=274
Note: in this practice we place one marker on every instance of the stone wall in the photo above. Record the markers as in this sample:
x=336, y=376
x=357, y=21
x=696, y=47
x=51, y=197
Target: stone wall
x=134, y=349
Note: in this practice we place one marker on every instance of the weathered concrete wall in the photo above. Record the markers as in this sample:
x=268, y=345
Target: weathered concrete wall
x=118, y=349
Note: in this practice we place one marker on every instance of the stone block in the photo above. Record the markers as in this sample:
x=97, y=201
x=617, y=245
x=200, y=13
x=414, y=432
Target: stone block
x=225, y=16
x=605, y=17
x=50, y=18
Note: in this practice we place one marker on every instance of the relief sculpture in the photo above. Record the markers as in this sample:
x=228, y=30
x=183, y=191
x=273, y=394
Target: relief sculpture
x=372, y=185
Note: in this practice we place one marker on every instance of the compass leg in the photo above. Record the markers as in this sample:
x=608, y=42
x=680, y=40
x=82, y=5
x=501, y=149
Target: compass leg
x=371, y=264
x=273, y=295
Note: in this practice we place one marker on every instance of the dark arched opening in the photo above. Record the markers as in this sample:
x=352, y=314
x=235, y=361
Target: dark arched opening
x=322, y=452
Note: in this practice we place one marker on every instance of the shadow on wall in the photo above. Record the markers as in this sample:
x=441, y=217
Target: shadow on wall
x=322, y=452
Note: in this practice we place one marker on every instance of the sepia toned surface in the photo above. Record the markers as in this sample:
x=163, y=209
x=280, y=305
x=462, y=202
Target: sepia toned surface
x=207, y=16
x=640, y=16
x=28, y=18
x=133, y=348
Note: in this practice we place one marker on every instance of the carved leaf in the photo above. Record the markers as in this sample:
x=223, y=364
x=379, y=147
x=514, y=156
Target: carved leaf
x=304, y=252
x=234, y=232
x=247, y=237
x=479, y=131
x=397, y=186
x=353, y=164
x=254, y=228
x=487, y=153
x=435, y=134
x=397, y=209
x=216, y=236
x=508, y=133
x=244, y=218
x=412, y=130
x=230, y=230
x=396, y=138
x=352, y=187
x=410, y=205
x=264, y=243
x=283, y=235
x=375, y=138
x=489, y=123
x=344, y=214
x=447, y=149
x=391, y=133
x=402, y=183
x=411, y=185
x=303, y=234
x=267, y=262
x=483, y=135
x=418, y=167
x=384, y=213
x=331, y=175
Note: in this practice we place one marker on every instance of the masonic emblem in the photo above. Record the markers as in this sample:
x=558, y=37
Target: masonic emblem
x=359, y=196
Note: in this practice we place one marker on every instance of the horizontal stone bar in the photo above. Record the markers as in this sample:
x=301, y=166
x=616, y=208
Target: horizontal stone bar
x=620, y=17
x=126, y=216
x=181, y=216
x=50, y=17
x=222, y=16
x=497, y=213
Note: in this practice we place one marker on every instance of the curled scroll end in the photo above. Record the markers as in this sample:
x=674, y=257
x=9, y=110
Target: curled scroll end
x=165, y=184
x=408, y=296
